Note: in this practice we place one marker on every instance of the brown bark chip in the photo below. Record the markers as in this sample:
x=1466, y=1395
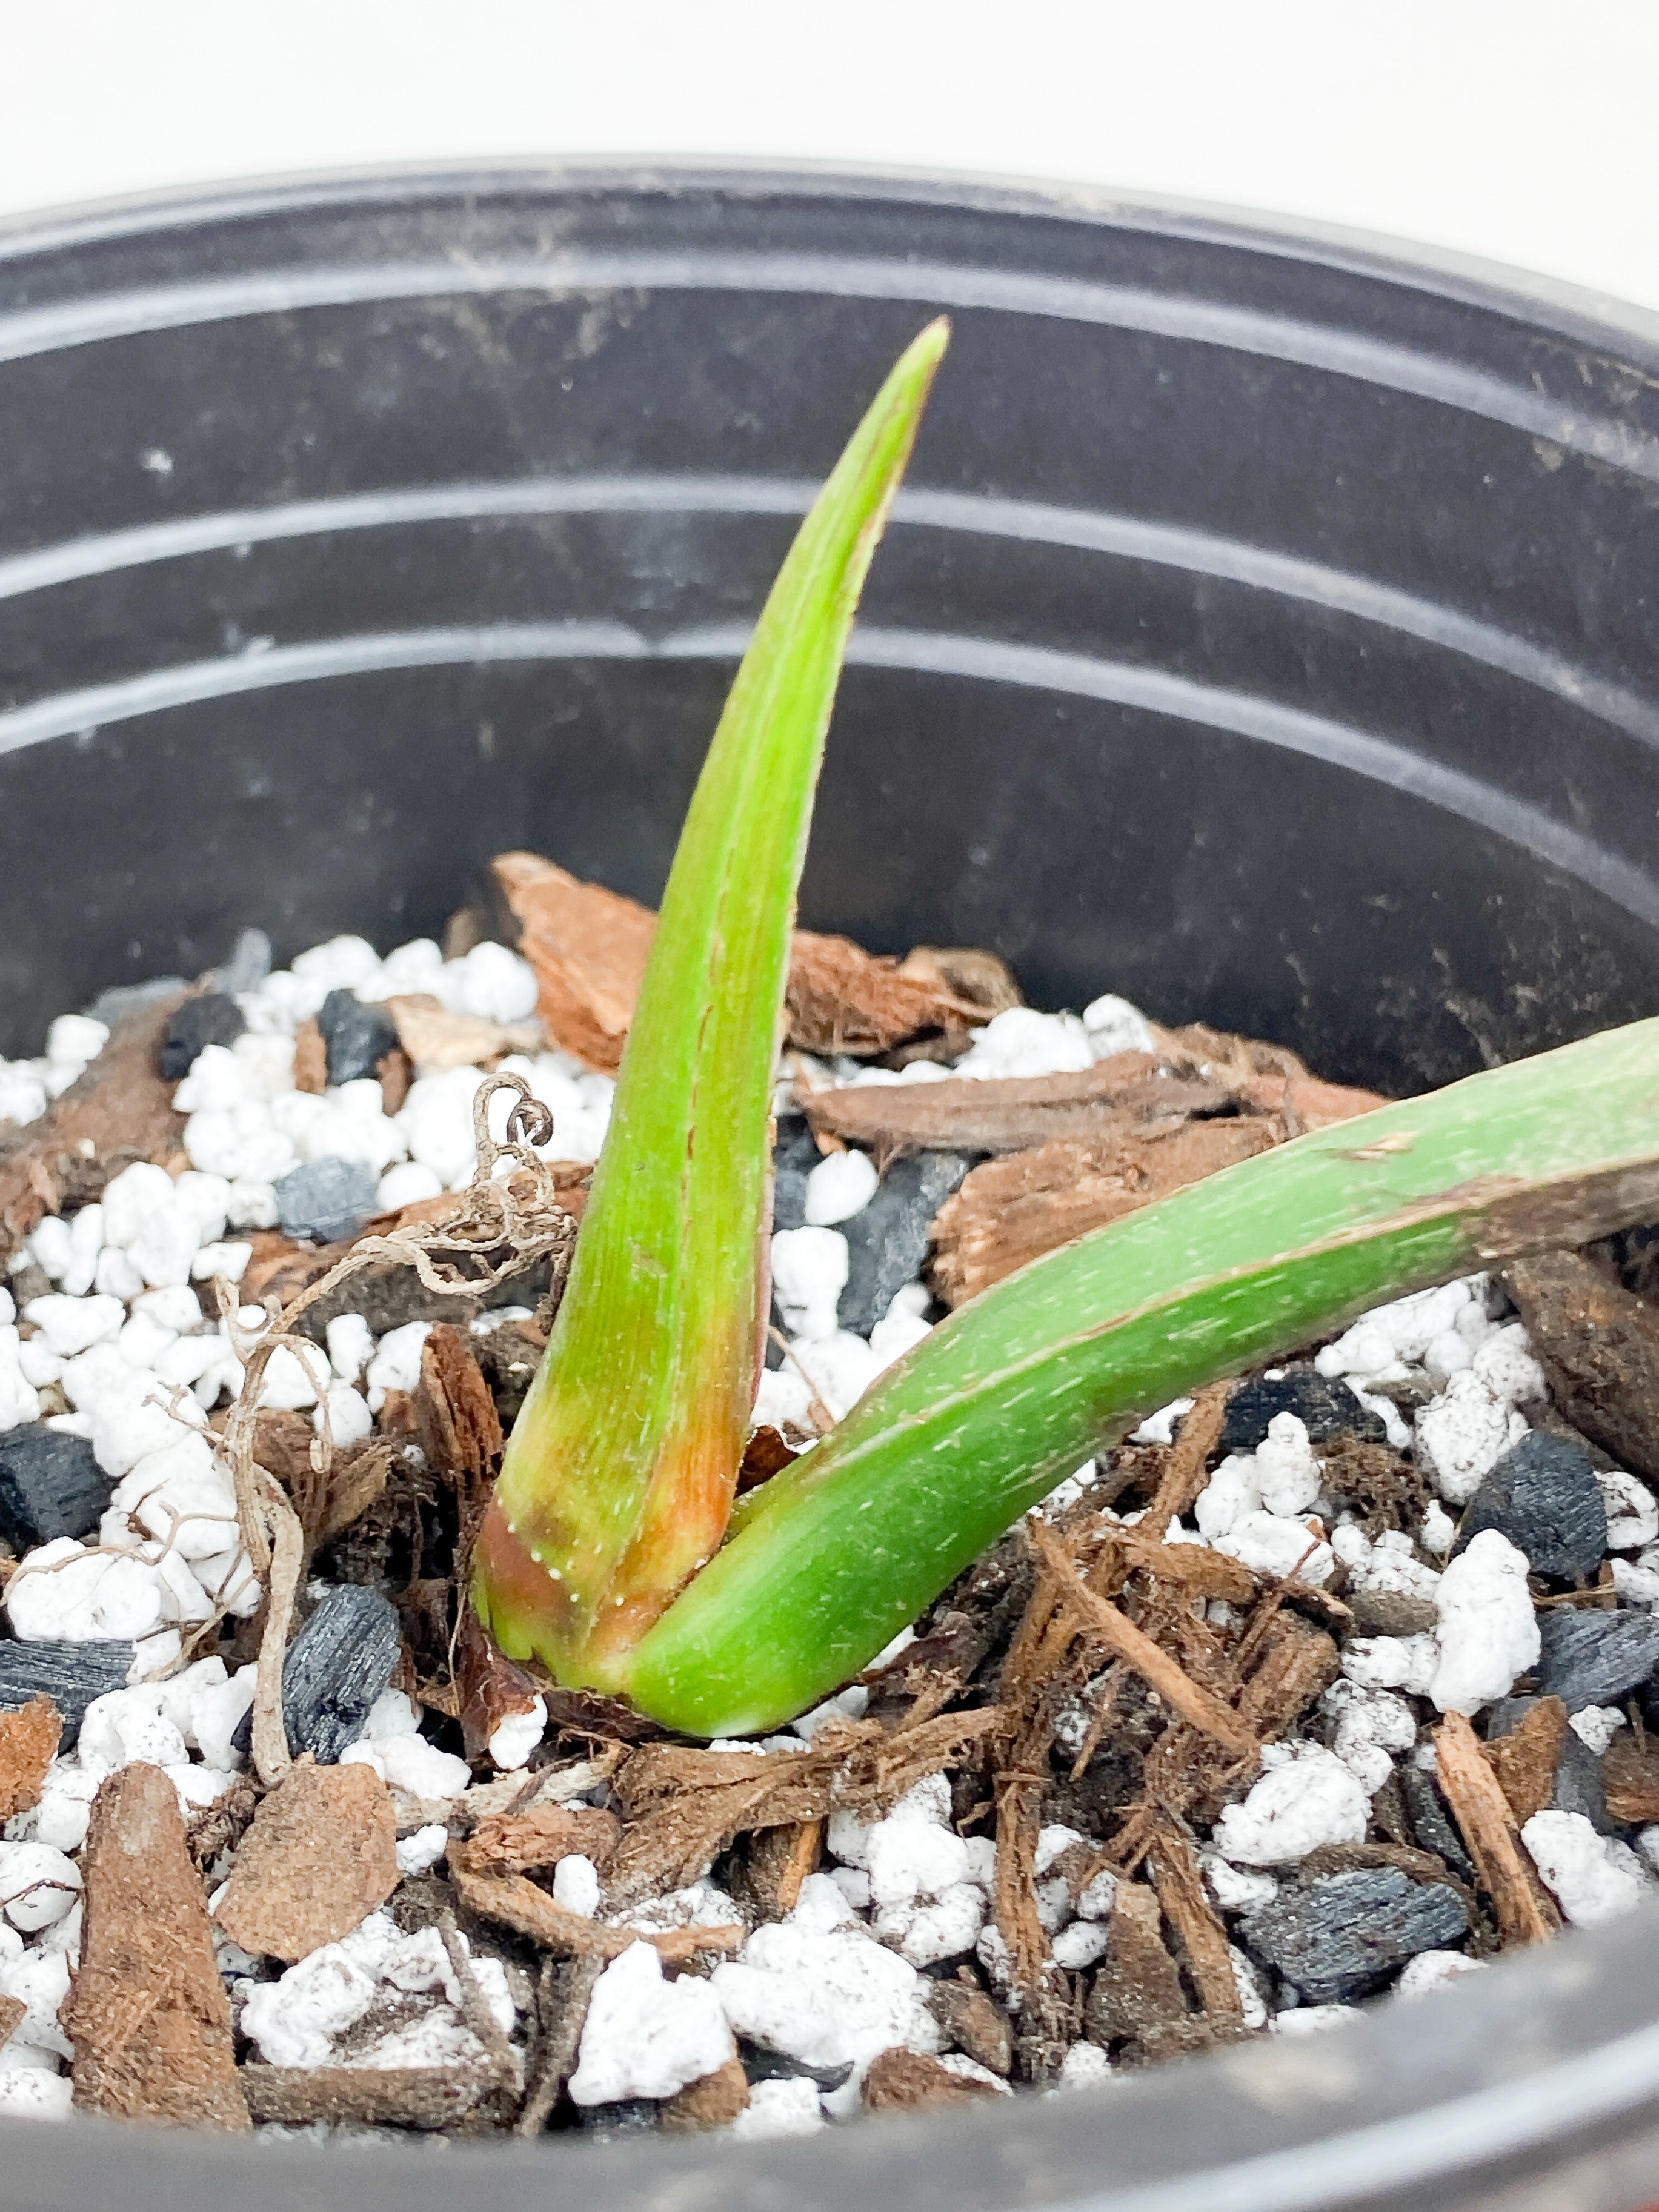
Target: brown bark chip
x=434, y=1038
x=588, y=947
x=149, y=2016
x=842, y=998
x=1525, y=1760
x=1013, y=1210
x=424, y=2097
x=310, y=1058
x=120, y=1111
x=28, y=1744
x=901, y=2081
x=1631, y=1771
x=321, y=1855
x=12, y=2010
x=712, y=2102
x=1137, y=1998
x=974, y=2023
x=1173, y=1865
x=1598, y=1343
x=1524, y=1910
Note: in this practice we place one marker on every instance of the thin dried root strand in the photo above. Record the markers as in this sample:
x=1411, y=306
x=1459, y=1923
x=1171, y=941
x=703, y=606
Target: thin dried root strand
x=270, y=1752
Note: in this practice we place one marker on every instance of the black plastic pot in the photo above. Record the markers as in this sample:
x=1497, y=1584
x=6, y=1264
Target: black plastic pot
x=1268, y=633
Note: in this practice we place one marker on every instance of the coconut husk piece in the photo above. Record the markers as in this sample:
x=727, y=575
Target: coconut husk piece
x=520, y=1843
x=1137, y=1998
x=1173, y=1865
x=563, y=1997
x=1524, y=1909
x=842, y=999
x=120, y=1110
x=1186, y=1470
x=683, y=1807
x=1598, y=1343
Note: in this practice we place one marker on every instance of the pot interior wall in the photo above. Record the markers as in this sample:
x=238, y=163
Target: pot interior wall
x=1267, y=632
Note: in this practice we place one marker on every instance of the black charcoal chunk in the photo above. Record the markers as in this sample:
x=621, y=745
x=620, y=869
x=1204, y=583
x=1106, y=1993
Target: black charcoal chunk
x=1579, y=1785
x=208, y=1018
x=1325, y=1409
x=1344, y=1935
x=1542, y=1495
x=355, y=1038
x=762, y=2065
x=1431, y=1821
x=794, y=1158
x=336, y=1667
x=326, y=1201
x=628, y=2116
x=887, y=1242
x=50, y=1486
x=70, y=1674
x=1594, y=1658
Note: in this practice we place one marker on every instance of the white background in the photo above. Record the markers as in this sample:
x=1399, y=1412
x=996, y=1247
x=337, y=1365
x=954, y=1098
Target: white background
x=1526, y=130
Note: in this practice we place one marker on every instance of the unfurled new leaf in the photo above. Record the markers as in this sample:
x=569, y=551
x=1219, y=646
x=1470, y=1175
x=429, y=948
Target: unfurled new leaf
x=619, y=1475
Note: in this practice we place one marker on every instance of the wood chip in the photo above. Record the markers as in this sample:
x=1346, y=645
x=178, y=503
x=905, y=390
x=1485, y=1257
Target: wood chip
x=320, y=1856
x=436, y=1039
x=427, y=2097
x=1631, y=1771
x=1524, y=1910
x=513, y=1901
x=901, y=2081
x=1011, y=1210
x=1173, y=1864
x=148, y=2015
x=1525, y=1760
x=119, y=1111
x=713, y=2101
x=1155, y=1666
x=28, y=1744
x=1598, y=1343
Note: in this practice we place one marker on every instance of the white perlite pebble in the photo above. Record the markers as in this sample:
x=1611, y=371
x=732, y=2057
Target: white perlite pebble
x=38, y=1885
x=826, y=2000
x=396, y=1362
x=1311, y=2020
x=1308, y=1798
x=1371, y=1726
x=1114, y=1025
x=30, y=2092
x=1632, y=1511
x=517, y=1736
x=576, y=1885
x=646, y=2036
x=775, y=2109
x=1391, y=1662
x=1597, y=1725
x=1272, y=1544
x=809, y=1273
x=1085, y=2066
x=838, y=1187
x=1233, y=1888
x=1488, y=1631
x=1593, y=1878
x=421, y=1852
x=74, y=1324
x=1022, y=1042
x=1288, y=1475
x=350, y=1345
x=1463, y=1433
x=411, y=1763
x=1434, y=1970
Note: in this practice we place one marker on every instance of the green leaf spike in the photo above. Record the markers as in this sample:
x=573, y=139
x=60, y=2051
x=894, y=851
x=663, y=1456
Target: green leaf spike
x=1007, y=1396
x=619, y=1475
